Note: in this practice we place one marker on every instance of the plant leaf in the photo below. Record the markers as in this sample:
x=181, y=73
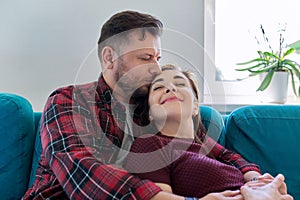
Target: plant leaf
x=289, y=51
x=296, y=46
x=249, y=68
x=266, y=82
x=293, y=67
x=251, y=61
x=293, y=82
x=273, y=66
x=271, y=55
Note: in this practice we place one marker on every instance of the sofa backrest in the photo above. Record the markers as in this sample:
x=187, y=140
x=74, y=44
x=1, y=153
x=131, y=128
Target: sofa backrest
x=37, y=148
x=17, y=135
x=213, y=122
x=269, y=136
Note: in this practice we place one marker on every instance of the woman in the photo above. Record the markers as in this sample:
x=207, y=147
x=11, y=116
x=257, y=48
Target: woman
x=179, y=156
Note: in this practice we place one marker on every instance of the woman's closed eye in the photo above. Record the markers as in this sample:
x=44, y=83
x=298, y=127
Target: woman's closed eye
x=157, y=87
x=180, y=84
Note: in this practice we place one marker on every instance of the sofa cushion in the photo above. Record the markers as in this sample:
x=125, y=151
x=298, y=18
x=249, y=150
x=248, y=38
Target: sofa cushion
x=268, y=136
x=16, y=145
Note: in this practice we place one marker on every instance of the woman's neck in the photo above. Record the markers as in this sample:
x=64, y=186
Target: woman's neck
x=183, y=129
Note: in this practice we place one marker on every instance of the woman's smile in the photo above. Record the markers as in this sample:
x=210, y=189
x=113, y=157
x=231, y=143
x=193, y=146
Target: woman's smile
x=173, y=98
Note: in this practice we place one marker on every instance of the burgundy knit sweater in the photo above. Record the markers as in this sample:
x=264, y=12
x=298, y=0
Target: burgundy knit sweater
x=179, y=163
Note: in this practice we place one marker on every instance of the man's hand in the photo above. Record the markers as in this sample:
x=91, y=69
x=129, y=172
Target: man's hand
x=226, y=195
x=166, y=196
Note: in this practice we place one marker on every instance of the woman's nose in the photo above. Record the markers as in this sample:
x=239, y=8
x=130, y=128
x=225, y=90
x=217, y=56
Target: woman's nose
x=170, y=88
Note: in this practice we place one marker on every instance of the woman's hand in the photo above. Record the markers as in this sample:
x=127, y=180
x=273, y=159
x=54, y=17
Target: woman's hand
x=260, y=181
x=248, y=176
x=226, y=195
x=264, y=180
x=274, y=190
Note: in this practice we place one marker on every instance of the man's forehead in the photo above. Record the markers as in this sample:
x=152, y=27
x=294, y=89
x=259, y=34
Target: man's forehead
x=147, y=44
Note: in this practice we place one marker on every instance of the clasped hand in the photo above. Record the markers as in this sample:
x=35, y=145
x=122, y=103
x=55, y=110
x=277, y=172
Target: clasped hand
x=265, y=187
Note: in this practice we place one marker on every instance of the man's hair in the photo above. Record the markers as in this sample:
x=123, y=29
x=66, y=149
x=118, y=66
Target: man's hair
x=122, y=24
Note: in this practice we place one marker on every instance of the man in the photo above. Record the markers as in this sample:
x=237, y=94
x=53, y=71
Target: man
x=86, y=130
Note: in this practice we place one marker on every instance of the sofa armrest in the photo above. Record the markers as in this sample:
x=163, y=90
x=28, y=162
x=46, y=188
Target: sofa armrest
x=16, y=145
x=269, y=136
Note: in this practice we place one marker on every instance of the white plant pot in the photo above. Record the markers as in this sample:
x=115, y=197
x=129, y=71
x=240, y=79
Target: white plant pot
x=276, y=92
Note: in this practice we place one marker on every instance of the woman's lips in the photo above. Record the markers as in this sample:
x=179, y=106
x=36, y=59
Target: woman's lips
x=170, y=99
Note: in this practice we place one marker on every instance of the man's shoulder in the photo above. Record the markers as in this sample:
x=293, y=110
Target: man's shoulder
x=70, y=94
x=70, y=90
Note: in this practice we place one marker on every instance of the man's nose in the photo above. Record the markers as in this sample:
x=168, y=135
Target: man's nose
x=154, y=69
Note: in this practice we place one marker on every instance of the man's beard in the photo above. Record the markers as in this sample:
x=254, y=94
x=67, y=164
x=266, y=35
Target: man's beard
x=125, y=83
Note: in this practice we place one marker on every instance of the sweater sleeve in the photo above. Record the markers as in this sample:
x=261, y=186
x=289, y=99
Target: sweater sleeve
x=149, y=160
x=229, y=157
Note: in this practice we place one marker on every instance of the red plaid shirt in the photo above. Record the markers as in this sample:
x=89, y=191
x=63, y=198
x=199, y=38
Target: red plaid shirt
x=81, y=133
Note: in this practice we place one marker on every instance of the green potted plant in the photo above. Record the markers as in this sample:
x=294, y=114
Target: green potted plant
x=269, y=64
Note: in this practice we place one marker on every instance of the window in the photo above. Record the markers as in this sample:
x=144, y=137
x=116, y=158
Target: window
x=230, y=30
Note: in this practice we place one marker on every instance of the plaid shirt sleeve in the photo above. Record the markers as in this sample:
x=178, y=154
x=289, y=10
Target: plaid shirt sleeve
x=68, y=134
x=226, y=156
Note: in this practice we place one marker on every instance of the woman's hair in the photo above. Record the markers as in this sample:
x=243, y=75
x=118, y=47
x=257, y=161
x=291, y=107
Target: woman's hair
x=143, y=107
x=116, y=29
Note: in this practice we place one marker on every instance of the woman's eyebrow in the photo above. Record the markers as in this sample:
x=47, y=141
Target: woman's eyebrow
x=178, y=77
x=157, y=80
x=161, y=79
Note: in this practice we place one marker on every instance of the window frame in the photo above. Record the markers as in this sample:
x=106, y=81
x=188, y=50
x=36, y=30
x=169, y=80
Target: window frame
x=225, y=95
x=217, y=91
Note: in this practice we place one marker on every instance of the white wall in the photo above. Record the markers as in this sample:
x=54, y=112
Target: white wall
x=46, y=44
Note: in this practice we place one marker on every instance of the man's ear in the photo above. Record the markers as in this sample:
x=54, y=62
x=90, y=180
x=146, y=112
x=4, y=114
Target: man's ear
x=107, y=56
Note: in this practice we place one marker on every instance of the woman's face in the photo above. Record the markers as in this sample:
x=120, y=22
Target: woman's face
x=171, y=97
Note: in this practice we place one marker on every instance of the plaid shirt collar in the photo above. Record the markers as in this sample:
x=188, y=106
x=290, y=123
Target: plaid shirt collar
x=105, y=96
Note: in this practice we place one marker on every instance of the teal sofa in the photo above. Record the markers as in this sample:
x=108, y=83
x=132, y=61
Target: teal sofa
x=266, y=135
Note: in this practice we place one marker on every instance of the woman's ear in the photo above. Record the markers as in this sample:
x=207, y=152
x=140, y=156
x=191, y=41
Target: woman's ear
x=107, y=57
x=196, y=108
x=150, y=118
